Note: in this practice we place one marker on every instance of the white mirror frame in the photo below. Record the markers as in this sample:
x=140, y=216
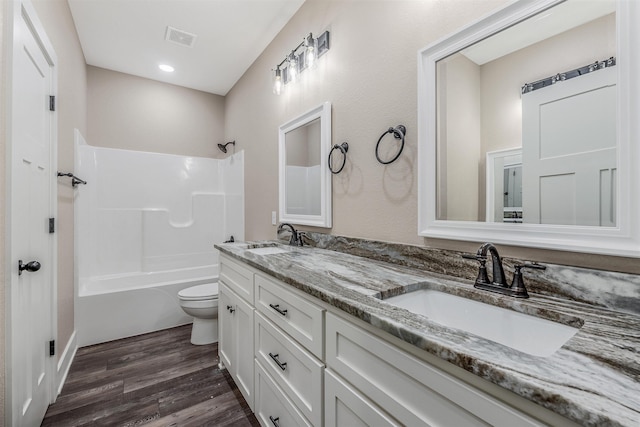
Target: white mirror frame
x=323, y=112
x=623, y=240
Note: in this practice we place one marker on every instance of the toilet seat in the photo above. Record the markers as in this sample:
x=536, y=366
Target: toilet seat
x=207, y=291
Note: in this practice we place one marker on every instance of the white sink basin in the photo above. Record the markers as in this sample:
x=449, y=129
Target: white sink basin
x=529, y=334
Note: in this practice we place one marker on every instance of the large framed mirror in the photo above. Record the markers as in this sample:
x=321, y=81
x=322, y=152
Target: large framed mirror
x=527, y=128
x=305, y=182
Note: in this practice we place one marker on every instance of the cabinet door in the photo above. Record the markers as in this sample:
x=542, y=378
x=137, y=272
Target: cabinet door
x=243, y=336
x=273, y=407
x=226, y=345
x=412, y=391
x=345, y=406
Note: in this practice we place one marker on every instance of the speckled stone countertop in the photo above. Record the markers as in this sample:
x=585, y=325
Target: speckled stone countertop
x=594, y=379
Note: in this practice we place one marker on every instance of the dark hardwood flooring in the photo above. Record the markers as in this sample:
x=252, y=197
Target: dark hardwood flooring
x=156, y=379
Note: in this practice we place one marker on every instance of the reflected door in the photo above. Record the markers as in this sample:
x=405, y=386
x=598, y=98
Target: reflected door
x=569, y=151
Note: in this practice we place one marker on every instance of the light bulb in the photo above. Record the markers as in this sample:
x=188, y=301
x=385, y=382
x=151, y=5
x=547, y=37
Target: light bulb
x=311, y=53
x=277, y=81
x=293, y=69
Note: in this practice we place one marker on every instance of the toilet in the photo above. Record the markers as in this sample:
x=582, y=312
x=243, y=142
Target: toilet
x=201, y=302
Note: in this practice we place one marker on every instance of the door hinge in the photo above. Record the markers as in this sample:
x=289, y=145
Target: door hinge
x=52, y=225
x=52, y=103
x=52, y=348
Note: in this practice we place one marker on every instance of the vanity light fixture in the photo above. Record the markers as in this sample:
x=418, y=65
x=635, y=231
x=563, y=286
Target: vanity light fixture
x=303, y=56
x=277, y=81
x=293, y=68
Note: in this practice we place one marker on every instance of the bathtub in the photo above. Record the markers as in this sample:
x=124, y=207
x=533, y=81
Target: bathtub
x=118, y=306
x=140, y=238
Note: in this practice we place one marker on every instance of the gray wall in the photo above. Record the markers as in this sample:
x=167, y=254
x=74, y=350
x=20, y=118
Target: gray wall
x=370, y=77
x=134, y=113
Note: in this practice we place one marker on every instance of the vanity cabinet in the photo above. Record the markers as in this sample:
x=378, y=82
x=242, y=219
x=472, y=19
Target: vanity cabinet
x=235, y=322
x=309, y=363
x=410, y=390
x=289, y=331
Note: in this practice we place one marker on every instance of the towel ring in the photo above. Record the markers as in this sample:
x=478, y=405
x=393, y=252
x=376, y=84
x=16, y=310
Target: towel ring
x=344, y=147
x=398, y=133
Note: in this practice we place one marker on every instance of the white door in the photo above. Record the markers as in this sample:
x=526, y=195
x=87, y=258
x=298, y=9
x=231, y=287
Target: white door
x=569, y=151
x=31, y=201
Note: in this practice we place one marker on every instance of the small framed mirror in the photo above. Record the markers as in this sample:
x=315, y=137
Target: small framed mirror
x=304, y=179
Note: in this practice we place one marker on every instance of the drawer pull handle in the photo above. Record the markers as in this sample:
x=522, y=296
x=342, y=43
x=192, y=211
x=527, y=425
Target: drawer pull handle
x=231, y=309
x=276, y=307
x=275, y=421
x=282, y=365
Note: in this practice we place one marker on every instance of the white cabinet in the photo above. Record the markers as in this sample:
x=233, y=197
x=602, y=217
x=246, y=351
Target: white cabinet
x=235, y=349
x=235, y=323
x=312, y=364
x=412, y=391
x=346, y=406
x=294, y=314
x=292, y=367
x=273, y=407
x=289, y=345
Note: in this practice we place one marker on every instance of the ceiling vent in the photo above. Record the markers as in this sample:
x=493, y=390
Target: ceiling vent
x=180, y=37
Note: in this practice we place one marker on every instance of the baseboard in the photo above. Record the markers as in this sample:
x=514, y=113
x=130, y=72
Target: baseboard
x=64, y=363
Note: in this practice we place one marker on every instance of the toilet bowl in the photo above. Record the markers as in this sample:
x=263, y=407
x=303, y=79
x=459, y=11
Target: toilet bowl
x=201, y=302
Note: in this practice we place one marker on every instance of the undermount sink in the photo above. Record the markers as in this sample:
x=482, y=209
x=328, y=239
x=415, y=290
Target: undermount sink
x=266, y=249
x=529, y=334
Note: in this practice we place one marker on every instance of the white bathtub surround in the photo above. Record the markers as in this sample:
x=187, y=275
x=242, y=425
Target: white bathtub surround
x=145, y=225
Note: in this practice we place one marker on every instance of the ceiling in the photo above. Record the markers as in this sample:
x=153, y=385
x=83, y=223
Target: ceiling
x=549, y=23
x=129, y=36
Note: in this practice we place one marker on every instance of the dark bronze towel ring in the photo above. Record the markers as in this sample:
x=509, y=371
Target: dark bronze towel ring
x=398, y=133
x=344, y=147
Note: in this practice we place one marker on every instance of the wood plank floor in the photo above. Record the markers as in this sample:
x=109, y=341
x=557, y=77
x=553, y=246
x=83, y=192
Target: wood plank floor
x=156, y=379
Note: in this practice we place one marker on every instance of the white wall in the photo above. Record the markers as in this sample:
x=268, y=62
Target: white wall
x=2, y=215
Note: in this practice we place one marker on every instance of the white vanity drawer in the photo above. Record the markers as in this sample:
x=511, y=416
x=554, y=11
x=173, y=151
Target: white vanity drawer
x=410, y=390
x=272, y=407
x=293, y=368
x=345, y=406
x=237, y=277
x=295, y=315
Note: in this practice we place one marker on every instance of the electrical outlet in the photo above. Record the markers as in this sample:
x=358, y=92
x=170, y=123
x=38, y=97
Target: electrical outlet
x=273, y=218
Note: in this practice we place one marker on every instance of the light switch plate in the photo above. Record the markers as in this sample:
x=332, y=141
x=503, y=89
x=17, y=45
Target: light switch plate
x=273, y=218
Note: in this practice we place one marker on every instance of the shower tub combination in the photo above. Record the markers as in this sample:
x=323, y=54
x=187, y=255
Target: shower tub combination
x=146, y=224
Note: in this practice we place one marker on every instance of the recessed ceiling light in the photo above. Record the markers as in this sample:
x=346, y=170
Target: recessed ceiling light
x=167, y=68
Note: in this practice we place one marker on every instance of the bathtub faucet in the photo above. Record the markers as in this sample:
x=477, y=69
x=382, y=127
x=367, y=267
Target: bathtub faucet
x=296, y=236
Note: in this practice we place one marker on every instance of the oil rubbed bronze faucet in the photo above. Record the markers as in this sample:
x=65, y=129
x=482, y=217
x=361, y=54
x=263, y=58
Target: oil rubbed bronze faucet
x=499, y=282
x=296, y=236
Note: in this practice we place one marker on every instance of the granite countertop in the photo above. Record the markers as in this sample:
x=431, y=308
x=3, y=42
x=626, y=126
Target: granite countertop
x=593, y=379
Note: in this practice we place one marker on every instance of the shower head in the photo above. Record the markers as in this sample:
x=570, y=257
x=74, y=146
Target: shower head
x=223, y=147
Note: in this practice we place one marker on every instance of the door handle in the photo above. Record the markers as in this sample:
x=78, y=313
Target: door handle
x=30, y=266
